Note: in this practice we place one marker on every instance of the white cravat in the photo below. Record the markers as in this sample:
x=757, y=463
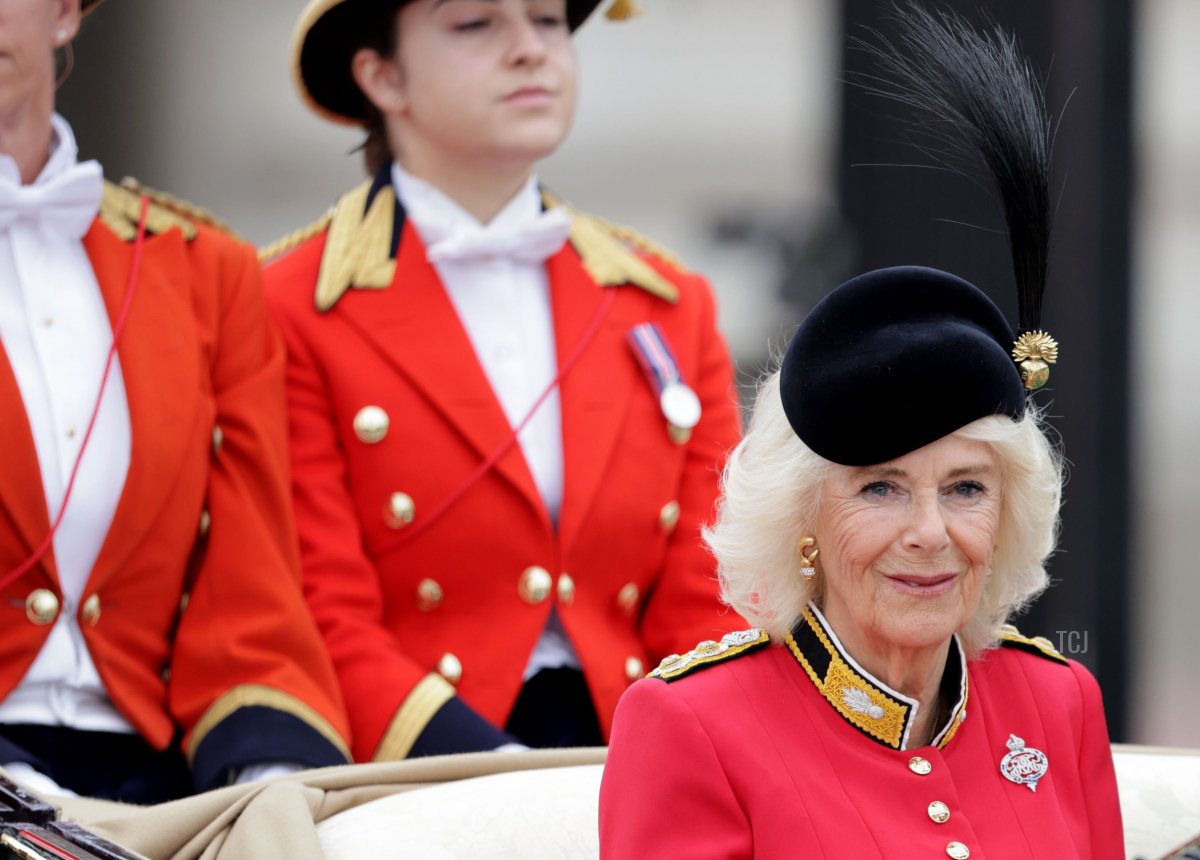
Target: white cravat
x=64, y=203
x=495, y=276
x=528, y=240
x=56, y=335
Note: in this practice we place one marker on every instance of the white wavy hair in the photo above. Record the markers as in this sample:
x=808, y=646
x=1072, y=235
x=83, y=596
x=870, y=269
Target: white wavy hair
x=771, y=494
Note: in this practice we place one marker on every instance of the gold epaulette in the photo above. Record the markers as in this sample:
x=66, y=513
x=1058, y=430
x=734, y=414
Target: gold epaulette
x=297, y=237
x=644, y=243
x=358, y=249
x=607, y=252
x=709, y=653
x=190, y=211
x=121, y=208
x=1011, y=637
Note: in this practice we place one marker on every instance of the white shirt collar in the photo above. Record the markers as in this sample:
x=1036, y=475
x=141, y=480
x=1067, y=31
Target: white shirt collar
x=425, y=204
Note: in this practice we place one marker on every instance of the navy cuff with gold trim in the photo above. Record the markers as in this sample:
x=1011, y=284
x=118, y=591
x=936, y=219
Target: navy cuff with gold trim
x=257, y=734
x=456, y=728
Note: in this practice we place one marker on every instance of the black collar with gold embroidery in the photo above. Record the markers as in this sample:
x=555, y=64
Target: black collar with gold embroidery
x=865, y=702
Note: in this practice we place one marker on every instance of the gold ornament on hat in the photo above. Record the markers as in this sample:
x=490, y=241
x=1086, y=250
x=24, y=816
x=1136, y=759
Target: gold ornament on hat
x=1034, y=352
x=623, y=10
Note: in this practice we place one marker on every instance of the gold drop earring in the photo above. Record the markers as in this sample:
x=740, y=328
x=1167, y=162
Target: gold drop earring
x=809, y=558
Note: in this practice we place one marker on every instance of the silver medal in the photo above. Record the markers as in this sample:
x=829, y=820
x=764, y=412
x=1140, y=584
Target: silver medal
x=1023, y=765
x=680, y=405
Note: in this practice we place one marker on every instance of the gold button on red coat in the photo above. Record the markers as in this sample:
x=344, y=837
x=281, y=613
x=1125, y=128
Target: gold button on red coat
x=534, y=585
x=41, y=606
x=939, y=812
x=634, y=668
x=205, y=523
x=958, y=851
x=90, y=611
x=400, y=511
x=627, y=597
x=668, y=517
x=450, y=668
x=566, y=589
x=429, y=595
x=679, y=435
x=919, y=766
x=371, y=425
x=218, y=439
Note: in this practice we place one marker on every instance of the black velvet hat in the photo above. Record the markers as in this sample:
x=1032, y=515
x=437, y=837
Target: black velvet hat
x=897, y=358
x=329, y=32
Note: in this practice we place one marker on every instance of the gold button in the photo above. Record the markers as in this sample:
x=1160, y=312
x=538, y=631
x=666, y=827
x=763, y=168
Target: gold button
x=429, y=595
x=450, y=668
x=939, y=812
x=184, y=600
x=371, y=424
x=566, y=589
x=958, y=851
x=919, y=765
x=400, y=511
x=668, y=517
x=218, y=439
x=205, y=522
x=535, y=585
x=679, y=435
x=71, y=432
x=90, y=611
x=627, y=597
x=41, y=606
x=634, y=668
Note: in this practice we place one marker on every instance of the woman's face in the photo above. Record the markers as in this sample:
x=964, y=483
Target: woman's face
x=906, y=545
x=30, y=30
x=484, y=79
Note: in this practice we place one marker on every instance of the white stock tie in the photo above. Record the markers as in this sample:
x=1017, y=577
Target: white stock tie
x=64, y=205
x=532, y=242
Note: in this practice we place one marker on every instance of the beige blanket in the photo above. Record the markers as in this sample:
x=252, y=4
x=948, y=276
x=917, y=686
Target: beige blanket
x=276, y=819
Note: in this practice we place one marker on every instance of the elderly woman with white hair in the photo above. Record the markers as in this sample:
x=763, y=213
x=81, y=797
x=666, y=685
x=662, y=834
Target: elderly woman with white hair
x=889, y=510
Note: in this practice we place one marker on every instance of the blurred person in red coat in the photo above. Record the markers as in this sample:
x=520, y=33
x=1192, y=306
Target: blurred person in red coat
x=507, y=416
x=156, y=638
x=890, y=508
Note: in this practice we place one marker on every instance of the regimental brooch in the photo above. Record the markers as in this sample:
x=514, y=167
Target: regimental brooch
x=1023, y=765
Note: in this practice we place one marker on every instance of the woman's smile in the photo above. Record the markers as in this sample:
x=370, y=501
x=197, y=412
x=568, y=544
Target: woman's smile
x=923, y=586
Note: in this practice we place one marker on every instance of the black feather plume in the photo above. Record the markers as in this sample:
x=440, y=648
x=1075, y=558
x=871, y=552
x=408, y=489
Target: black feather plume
x=976, y=99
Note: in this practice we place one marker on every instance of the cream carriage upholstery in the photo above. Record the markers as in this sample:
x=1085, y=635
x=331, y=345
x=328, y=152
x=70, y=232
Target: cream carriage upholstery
x=545, y=814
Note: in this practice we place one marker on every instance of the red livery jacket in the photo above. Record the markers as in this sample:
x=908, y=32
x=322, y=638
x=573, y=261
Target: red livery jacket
x=193, y=612
x=391, y=416
x=765, y=750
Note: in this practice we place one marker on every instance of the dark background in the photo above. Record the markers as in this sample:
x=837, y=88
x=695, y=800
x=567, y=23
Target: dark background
x=892, y=216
